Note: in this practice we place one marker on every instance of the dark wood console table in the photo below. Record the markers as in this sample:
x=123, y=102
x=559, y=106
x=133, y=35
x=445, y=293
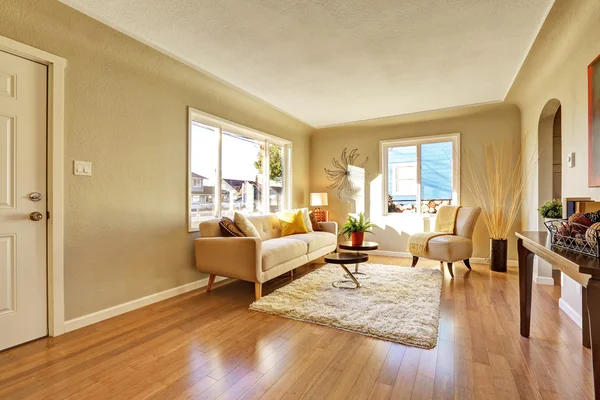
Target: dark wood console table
x=583, y=269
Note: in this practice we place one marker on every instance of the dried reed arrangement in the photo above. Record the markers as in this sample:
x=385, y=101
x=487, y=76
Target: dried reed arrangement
x=496, y=179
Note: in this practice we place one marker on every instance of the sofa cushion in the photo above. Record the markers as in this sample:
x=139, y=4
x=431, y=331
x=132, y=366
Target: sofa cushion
x=449, y=248
x=305, y=217
x=291, y=222
x=281, y=250
x=268, y=226
x=229, y=228
x=316, y=240
x=210, y=228
x=245, y=225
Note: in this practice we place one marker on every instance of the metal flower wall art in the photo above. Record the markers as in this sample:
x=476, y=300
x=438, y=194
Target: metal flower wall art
x=340, y=175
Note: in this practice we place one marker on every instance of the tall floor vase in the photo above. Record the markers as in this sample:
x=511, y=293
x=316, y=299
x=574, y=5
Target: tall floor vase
x=499, y=253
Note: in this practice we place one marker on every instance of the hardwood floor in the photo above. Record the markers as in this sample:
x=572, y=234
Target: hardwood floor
x=207, y=346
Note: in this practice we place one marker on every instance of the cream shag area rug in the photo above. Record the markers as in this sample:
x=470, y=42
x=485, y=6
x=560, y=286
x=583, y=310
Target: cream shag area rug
x=398, y=304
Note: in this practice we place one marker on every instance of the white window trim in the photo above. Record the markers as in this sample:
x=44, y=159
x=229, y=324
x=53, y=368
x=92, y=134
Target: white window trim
x=222, y=124
x=384, y=145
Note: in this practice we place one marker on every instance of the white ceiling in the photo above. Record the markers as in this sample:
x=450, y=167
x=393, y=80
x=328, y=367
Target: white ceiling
x=337, y=61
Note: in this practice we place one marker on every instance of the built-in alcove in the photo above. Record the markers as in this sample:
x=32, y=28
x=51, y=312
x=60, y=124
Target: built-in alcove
x=581, y=205
x=557, y=155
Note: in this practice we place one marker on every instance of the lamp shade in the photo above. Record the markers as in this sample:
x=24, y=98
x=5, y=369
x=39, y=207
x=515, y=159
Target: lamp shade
x=318, y=199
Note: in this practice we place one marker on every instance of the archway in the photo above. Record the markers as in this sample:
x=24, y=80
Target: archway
x=549, y=128
x=557, y=155
x=549, y=172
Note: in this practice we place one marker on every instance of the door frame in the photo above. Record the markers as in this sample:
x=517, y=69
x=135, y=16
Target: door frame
x=55, y=176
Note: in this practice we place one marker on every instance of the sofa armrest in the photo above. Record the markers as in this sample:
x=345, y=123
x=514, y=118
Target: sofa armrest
x=232, y=257
x=330, y=227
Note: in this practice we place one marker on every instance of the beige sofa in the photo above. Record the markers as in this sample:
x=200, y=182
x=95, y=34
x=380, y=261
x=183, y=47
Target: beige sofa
x=259, y=259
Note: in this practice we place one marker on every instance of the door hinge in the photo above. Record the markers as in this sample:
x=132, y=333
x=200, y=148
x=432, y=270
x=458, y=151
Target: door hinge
x=47, y=214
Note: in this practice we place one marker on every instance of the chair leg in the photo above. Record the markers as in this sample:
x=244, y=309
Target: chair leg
x=257, y=291
x=467, y=263
x=450, y=269
x=414, y=261
x=211, y=280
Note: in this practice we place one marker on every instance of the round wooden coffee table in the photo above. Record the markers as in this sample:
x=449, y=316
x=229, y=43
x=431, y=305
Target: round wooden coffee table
x=365, y=246
x=342, y=259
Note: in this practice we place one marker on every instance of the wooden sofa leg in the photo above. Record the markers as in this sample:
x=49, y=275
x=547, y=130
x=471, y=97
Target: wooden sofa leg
x=450, y=269
x=257, y=291
x=211, y=280
x=292, y=274
x=467, y=263
x=415, y=261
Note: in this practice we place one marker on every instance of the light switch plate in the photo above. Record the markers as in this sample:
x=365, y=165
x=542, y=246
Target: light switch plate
x=82, y=168
x=571, y=160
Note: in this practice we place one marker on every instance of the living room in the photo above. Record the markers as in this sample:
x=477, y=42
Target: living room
x=110, y=224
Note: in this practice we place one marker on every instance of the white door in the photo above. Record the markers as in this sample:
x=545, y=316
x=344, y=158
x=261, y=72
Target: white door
x=23, y=303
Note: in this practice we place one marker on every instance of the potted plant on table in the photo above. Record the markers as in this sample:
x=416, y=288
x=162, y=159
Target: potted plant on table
x=551, y=210
x=356, y=228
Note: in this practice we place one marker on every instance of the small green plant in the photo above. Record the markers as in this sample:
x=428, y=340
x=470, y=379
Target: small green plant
x=551, y=209
x=360, y=224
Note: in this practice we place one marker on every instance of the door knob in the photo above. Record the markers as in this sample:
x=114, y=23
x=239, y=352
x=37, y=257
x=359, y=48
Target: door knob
x=35, y=196
x=36, y=216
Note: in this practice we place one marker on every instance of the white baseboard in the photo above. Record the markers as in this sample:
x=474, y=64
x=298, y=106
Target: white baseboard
x=404, y=254
x=110, y=312
x=563, y=305
x=543, y=280
x=481, y=260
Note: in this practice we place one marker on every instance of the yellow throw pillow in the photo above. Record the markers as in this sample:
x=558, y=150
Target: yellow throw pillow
x=305, y=216
x=291, y=222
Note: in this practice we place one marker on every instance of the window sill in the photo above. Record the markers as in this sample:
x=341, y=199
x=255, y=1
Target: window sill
x=424, y=217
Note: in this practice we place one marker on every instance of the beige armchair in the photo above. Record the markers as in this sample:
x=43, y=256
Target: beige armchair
x=458, y=247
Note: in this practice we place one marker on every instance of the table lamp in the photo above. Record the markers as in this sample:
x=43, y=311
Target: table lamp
x=317, y=200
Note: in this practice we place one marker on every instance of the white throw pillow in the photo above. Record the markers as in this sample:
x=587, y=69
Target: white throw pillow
x=245, y=225
x=305, y=217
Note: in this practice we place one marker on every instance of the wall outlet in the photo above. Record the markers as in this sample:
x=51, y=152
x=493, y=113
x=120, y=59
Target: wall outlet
x=571, y=160
x=82, y=168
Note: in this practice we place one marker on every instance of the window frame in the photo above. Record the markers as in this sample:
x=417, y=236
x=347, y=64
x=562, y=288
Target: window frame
x=221, y=124
x=384, y=145
x=395, y=178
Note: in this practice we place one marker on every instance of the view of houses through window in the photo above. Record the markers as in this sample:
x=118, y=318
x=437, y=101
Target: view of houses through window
x=421, y=174
x=241, y=180
x=204, y=140
x=247, y=184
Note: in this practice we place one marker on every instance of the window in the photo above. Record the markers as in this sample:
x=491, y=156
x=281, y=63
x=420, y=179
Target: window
x=421, y=174
x=230, y=170
x=276, y=178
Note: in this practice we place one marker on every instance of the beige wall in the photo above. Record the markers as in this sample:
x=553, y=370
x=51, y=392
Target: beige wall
x=556, y=68
x=126, y=111
x=478, y=126
x=126, y=108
